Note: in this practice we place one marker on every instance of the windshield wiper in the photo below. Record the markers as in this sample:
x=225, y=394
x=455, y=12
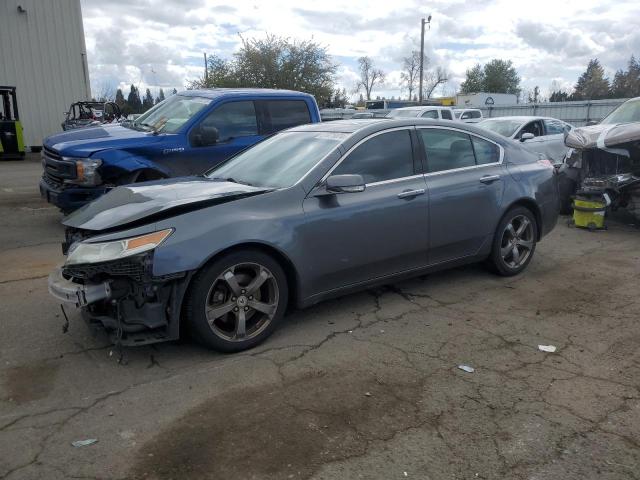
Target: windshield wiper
x=232, y=180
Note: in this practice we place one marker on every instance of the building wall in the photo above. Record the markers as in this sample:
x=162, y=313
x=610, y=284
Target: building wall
x=43, y=54
x=477, y=100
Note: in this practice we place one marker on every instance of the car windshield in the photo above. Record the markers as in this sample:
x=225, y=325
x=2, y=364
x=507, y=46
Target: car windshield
x=279, y=161
x=504, y=127
x=169, y=115
x=403, y=113
x=625, y=113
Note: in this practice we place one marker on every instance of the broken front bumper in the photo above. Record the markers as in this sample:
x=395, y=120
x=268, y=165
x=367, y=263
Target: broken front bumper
x=78, y=294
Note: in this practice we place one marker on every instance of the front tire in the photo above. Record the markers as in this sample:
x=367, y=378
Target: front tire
x=236, y=302
x=514, y=242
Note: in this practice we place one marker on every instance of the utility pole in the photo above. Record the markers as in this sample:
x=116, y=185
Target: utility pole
x=423, y=22
x=206, y=75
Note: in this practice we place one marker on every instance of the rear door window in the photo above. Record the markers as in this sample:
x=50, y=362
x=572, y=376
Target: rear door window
x=383, y=157
x=287, y=113
x=554, y=127
x=446, y=149
x=233, y=119
x=430, y=114
x=446, y=114
x=486, y=152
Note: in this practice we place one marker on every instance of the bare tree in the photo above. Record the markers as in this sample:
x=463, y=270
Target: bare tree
x=369, y=76
x=432, y=79
x=411, y=71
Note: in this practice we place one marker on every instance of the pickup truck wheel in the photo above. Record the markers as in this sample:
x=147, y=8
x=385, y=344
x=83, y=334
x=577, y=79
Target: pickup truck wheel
x=514, y=242
x=236, y=302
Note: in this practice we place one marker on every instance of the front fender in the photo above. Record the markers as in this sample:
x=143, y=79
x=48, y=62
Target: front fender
x=116, y=163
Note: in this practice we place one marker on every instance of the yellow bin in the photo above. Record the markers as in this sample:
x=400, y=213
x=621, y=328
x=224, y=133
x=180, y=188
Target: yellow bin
x=589, y=213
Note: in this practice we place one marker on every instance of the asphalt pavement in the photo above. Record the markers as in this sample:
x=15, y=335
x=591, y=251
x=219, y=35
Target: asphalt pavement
x=365, y=386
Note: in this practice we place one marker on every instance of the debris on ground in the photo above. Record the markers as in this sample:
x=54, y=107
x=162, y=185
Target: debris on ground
x=84, y=443
x=467, y=368
x=547, y=348
x=367, y=394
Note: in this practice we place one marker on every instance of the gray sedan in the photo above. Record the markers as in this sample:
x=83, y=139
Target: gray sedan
x=308, y=214
x=539, y=134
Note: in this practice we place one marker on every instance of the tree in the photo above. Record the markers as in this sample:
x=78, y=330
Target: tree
x=274, y=62
x=432, y=79
x=500, y=76
x=339, y=99
x=174, y=91
x=360, y=101
x=160, y=97
x=411, y=72
x=120, y=98
x=147, y=102
x=474, y=80
x=534, y=96
x=369, y=76
x=626, y=83
x=592, y=84
x=134, y=104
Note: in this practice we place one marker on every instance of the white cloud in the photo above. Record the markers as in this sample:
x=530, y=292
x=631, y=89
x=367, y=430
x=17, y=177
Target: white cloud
x=160, y=43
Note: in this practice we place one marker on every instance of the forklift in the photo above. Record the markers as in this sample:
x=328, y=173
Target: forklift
x=11, y=139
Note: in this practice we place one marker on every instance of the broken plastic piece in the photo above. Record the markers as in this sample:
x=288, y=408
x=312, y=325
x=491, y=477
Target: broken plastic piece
x=547, y=348
x=84, y=443
x=467, y=368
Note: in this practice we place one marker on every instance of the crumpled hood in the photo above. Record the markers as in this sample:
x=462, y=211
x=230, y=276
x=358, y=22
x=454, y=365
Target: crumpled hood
x=607, y=135
x=152, y=200
x=83, y=142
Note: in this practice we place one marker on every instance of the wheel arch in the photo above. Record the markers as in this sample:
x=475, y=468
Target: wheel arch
x=283, y=260
x=530, y=205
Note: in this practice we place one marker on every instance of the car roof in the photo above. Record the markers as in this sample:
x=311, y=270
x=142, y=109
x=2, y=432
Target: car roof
x=372, y=125
x=214, y=93
x=423, y=107
x=522, y=118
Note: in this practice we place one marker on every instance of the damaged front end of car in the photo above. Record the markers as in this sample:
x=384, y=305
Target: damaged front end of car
x=606, y=160
x=113, y=284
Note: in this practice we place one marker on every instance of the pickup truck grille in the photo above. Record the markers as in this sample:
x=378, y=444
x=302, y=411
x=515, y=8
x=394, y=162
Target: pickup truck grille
x=55, y=166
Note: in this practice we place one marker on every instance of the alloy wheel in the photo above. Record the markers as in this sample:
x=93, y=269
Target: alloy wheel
x=517, y=241
x=242, y=302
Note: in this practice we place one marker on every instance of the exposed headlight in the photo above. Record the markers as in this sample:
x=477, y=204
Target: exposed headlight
x=86, y=171
x=83, y=252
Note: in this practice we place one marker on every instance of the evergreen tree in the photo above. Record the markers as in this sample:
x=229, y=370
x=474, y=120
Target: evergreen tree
x=592, y=84
x=133, y=100
x=147, y=102
x=160, y=97
x=119, y=98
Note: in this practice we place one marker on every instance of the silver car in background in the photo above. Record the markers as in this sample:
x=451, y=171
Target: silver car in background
x=538, y=134
x=430, y=111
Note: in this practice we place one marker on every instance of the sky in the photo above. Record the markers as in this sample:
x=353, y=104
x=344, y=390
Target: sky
x=160, y=43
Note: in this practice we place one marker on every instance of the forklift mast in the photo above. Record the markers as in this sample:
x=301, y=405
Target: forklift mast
x=11, y=135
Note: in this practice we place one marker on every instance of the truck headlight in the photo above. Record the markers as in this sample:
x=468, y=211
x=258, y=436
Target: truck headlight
x=83, y=252
x=86, y=171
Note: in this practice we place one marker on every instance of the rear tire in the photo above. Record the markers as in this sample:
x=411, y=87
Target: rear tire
x=237, y=301
x=514, y=242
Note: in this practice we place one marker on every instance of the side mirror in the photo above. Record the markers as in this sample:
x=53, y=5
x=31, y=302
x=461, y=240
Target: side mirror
x=592, y=122
x=526, y=136
x=204, y=135
x=345, y=184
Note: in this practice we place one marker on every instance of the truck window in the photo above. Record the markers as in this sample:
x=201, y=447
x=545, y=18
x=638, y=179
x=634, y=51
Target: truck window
x=287, y=113
x=233, y=119
x=446, y=114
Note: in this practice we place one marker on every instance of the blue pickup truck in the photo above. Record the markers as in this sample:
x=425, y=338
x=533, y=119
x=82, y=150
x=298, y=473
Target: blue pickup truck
x=186, y=134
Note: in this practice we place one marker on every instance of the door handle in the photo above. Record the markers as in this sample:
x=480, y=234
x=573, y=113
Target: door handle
x=489, y=178
x=412, y=193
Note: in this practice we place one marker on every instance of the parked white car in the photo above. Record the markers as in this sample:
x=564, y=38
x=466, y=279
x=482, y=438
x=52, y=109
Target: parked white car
x=429, y=111
x=540, y=134
x=468, y=115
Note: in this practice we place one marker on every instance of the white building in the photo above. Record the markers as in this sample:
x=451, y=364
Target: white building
x=43, y=55
x=484, y=99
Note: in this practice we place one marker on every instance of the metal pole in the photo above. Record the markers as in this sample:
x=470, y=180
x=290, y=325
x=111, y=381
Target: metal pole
x=206, y=75
x=422, y=22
